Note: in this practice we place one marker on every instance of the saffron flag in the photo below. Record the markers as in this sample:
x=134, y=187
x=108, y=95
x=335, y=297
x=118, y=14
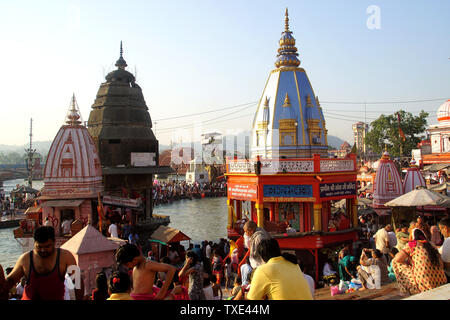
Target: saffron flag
x=400, y=131
x=100, y=211
x=232, y=247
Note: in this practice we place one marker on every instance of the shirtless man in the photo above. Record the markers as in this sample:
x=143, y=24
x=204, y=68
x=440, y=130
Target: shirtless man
x=44, y=269
x=144, y=272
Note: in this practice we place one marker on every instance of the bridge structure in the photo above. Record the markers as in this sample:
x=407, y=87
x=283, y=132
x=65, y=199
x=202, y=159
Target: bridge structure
x=17, y=171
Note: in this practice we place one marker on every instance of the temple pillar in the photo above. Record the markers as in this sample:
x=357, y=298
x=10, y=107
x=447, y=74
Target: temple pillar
x=317, y=216
x=238, y=210
x=260, y=214
x=354, y=213
x=230, y=203
x=148, y=204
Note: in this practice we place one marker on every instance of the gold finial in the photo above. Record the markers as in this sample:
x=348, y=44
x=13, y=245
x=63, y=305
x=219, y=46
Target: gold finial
x=73, y=117
x=287, y=102
x=286, y=21
x=266, y=102
x=317, y=102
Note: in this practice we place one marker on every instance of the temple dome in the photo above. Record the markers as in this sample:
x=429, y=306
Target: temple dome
x=289, y=121
x=413, y=178
x=72, y=169
x=388, y=183
x=119, y=122
x=443, y=113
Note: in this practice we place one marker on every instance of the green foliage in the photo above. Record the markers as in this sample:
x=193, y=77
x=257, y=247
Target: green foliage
x=385, y=131
x=12, y=158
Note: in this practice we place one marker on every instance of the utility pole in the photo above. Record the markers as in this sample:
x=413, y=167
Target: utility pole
x=364, y=132
x=30, y=153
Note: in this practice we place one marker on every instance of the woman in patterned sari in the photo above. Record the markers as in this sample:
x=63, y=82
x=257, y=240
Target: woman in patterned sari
x=418, y=267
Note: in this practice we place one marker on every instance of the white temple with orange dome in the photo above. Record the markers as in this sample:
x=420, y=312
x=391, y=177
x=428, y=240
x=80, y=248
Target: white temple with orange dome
x=388, y=182
x=72, y=174
x=439, y=137
x=413, y=178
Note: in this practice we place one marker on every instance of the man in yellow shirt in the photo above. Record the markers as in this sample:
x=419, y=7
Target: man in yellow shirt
x=280, y=278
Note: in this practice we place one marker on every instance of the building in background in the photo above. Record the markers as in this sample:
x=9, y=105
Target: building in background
x=360, y=130
x=343, y=151
x=439, y=139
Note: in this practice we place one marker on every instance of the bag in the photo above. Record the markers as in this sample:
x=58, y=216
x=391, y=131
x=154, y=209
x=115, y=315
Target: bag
x=343, y=285
x=335, y=290
x=376, y=275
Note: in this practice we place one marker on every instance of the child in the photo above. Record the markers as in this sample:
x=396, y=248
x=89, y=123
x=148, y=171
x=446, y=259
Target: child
x=234, y=260
x=100, y=293
x=391, y=273
x=144, y=273
x=237, y=286
x=119, y=286
x=207, y=288
x=216, y=288
x=217, y=266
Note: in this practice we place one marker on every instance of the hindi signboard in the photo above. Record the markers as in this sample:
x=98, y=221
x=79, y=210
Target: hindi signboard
x=288, y=191
x=143, y=159
x=243, y=191
x=328, y=190
x=124, y=202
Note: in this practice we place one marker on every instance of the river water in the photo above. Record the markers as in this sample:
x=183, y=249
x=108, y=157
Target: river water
x=200, y=219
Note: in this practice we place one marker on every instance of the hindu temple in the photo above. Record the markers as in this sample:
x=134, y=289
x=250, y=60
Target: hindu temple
x=289, y=184
x=413, y=178
x=388, y=183
x=72, y=181
x=289, y=121
x=439, y=138
x=121, y=128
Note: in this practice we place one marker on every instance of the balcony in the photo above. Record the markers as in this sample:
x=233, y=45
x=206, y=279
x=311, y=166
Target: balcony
x=302, y=166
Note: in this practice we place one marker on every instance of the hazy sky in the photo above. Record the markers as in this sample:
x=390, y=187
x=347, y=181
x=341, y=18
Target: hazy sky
x=194, y=56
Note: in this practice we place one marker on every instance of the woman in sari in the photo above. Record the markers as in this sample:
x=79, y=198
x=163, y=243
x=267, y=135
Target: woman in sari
x=418, y=267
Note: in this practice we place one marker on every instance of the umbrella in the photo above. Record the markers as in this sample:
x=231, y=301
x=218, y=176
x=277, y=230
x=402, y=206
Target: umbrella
x=419, y=197
x=364, y=202
x=24, y=189
x=440, y=187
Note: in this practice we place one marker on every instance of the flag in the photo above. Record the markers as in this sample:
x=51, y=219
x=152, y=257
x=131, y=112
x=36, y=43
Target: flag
x=100, y=211
x=400, y=131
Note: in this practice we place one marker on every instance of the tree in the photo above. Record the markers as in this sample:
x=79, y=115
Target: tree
x=399, y=131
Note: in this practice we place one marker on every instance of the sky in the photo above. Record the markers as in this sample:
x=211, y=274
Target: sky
x=209, y=60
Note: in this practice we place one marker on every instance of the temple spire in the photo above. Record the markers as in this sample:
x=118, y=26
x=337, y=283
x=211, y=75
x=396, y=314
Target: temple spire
x=287, y=52
x=121, y=63
x=73, y=116
x=286, y=21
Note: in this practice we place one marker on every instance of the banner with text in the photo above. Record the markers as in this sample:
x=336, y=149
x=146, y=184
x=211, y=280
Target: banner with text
x=242, y=191
x=337, y=189
x=288, y=191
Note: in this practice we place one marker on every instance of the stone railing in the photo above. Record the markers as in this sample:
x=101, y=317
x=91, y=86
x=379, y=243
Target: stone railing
x=334, y=165
x=311, y=165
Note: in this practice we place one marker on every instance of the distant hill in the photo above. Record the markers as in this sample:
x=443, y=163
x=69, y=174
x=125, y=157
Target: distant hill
x=336, y=142
x=41, y=147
